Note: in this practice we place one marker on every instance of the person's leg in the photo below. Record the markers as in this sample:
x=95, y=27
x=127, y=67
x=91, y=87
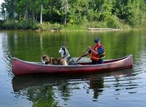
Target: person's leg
x=100, y=61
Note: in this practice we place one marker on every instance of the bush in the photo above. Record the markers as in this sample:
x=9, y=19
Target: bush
x=16, y=25
x=47, y=26
x=109, y=22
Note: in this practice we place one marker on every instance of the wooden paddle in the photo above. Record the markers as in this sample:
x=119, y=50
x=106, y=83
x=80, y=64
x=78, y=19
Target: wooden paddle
x=82, y=54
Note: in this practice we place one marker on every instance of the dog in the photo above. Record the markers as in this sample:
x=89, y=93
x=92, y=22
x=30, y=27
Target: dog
x=53, y=61
x=66, y=55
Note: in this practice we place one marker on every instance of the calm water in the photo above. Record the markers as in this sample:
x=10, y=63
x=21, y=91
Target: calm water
x=125, y=88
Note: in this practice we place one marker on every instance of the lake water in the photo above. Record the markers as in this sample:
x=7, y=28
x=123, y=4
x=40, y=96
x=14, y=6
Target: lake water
x=124, y=88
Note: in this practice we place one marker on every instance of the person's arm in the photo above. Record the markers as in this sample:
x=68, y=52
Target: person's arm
x=85, y=54
x=93, y=51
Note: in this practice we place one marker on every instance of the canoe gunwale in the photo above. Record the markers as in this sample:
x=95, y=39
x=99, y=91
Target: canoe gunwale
x=111, y=61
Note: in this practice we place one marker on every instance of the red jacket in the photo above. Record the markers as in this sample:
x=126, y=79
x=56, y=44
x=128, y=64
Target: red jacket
x=98, y=56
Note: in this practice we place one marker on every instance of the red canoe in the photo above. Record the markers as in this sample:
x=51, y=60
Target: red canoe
x=20, y=67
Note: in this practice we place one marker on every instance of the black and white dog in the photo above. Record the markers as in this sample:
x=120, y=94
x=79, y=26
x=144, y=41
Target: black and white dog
x=65, y=54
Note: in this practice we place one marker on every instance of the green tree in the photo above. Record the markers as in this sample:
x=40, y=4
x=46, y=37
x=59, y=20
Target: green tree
x=130, y=11
x=104, y=13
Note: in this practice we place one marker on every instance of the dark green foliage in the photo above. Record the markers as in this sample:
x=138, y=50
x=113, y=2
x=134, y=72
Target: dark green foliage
x=88, y=13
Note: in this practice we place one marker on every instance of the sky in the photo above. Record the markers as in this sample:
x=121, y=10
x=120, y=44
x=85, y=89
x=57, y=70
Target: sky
x=0, y=6
x=1, y=1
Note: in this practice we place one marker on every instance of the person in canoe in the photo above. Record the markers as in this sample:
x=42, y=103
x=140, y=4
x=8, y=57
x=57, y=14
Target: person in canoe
x=96, y=52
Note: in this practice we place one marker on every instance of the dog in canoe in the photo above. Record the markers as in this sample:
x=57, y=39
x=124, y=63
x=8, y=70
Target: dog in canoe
x=53, y=61
x=66, y=55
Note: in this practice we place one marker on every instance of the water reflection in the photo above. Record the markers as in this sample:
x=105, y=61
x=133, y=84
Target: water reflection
x=42, y=88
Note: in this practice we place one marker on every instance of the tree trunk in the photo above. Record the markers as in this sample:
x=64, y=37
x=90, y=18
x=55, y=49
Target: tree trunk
x=33, y=16
x=26, y=16
x=41, y=14
x=64, y=22
x=66, y=10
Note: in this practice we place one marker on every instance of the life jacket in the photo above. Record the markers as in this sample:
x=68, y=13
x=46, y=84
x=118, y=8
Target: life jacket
x=98, y=56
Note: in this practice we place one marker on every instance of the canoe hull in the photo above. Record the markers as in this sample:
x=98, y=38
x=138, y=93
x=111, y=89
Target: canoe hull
x=20, y=67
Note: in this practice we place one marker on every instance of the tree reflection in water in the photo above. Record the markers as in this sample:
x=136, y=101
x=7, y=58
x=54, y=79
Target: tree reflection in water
x=41, y=90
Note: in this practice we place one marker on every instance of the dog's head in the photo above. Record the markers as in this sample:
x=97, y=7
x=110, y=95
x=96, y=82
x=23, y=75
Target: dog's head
x=65, y=55
x=45, y=59
x=64, y=52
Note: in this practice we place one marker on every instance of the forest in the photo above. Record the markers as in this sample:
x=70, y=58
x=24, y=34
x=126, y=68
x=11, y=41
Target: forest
x=73, y=14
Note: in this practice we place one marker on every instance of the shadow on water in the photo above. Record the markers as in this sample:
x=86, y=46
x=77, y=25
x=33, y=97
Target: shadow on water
x=22, y=82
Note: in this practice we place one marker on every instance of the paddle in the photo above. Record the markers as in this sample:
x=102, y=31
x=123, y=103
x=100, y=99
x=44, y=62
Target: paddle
x=82, y=54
